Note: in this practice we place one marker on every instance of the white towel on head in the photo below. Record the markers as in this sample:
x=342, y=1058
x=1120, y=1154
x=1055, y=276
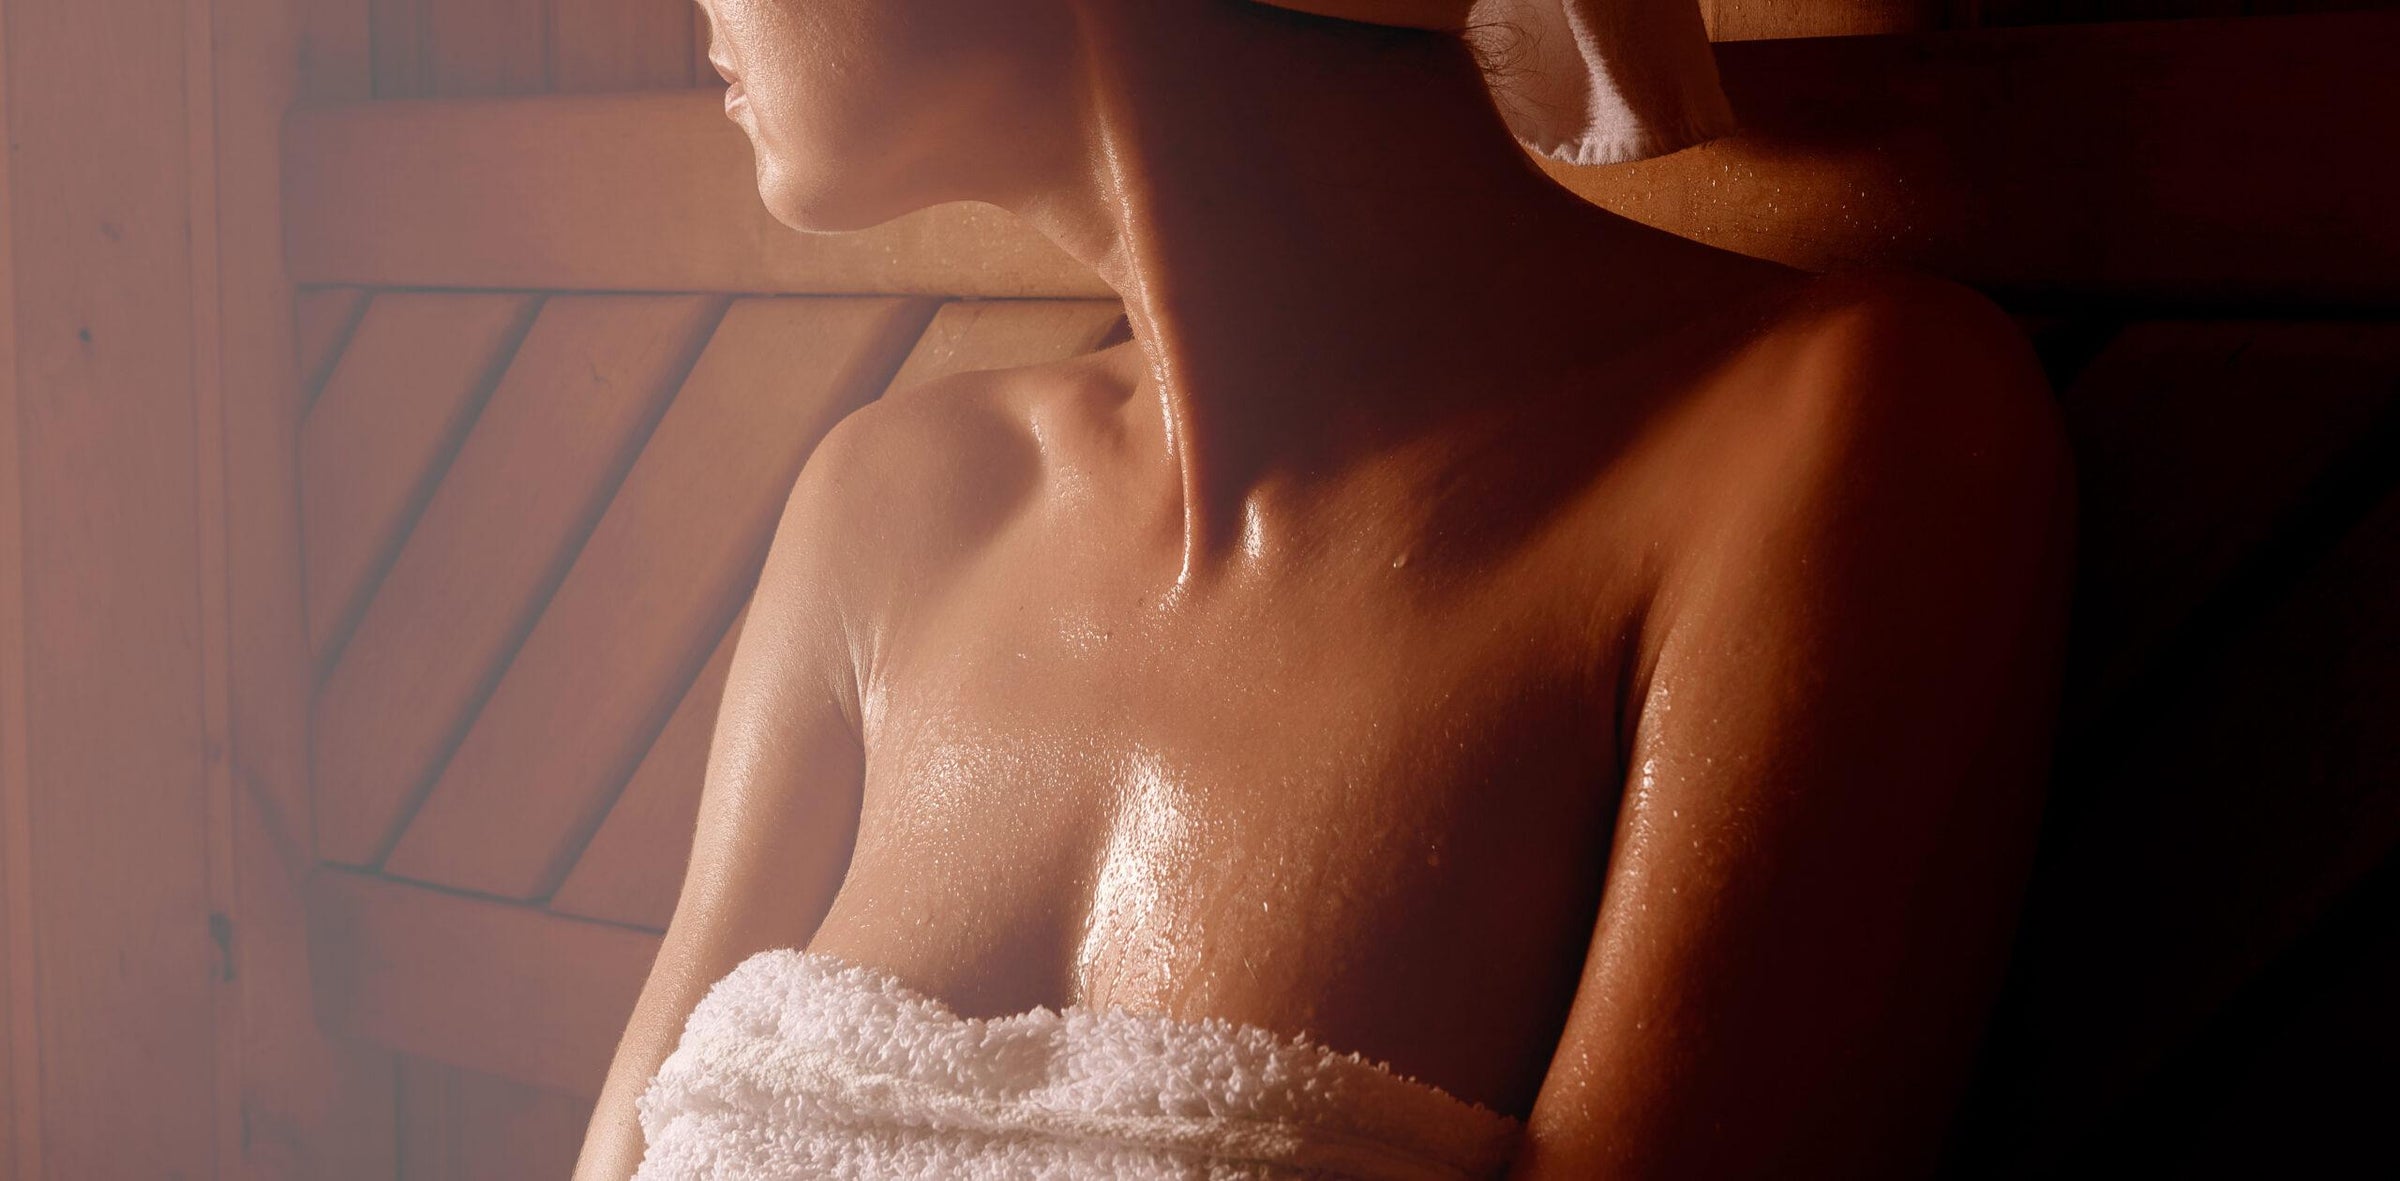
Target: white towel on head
x=1602, y=81
x=798, y=1065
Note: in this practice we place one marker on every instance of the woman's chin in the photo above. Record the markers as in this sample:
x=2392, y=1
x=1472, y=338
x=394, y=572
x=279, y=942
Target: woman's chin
x=825, y=207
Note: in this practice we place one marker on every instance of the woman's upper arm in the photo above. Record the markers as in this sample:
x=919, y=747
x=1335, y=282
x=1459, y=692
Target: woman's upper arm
x=1831, y=786
x=778, y=808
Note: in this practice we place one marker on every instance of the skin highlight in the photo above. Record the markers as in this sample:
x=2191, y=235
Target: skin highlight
x=1602, y=676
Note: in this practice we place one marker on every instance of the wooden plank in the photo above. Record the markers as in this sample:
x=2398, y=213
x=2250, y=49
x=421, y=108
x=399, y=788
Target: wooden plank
x=337, y=54
x=2267, y=786
x=673, y=559
x=430, y=1116
x=309, y=1106
x=2196, y=442
x=601, y=45
x=485, y=47
x=397, y=405
x=2178, y=161
x=512, y=1131
x=465, y=1126
x=506, y=990
x=111, y=197
x=633, y=868
x=323, y=319
x=20, y=1034
x=659, y=194
x=568, y=418
x=396, y=41
x=1001, y=334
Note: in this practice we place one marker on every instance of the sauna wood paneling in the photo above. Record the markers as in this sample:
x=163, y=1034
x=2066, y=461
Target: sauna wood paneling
x=2196, y=442
x=589, y=382
x=337, y=54
x=670, y=563
x=641, y=192
x=309, y=1106
x=323, y=318
x=485, y=46
x=458, y=1125
x=394, y=409
x=501, y=989
x=2169, y=164
x=633, y=867
x=122, y=1015
x=396, y=40
x=2263, y=786
x=632, y=870
x=621, y=44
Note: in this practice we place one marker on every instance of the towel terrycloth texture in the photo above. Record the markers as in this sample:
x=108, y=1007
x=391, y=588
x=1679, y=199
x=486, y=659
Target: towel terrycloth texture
x=1583, y=81
x=799, y=1065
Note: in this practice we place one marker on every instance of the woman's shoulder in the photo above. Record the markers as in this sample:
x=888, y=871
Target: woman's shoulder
x=1863, y=400
x=908, y=486
x=1892, y=361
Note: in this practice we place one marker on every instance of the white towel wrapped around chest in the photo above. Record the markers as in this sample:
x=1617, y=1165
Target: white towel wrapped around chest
x=799, y=1065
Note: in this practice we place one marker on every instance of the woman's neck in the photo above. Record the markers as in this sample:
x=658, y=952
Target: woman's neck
x=1318, y=239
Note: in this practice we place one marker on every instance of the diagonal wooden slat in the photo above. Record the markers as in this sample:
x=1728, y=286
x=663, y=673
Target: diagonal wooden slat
x=633, y=868
x=322, y=321
x=566, y=421
x=502, y=989
x=396, y=405
x=2188, y=162
x=621, y=45
x=2195, y=441
x=672, y=560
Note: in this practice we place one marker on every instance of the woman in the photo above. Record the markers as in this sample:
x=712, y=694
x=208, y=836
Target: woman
x=1605, y=678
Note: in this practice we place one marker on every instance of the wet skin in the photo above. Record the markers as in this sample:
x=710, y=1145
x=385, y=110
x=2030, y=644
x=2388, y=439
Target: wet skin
x=1603, y=677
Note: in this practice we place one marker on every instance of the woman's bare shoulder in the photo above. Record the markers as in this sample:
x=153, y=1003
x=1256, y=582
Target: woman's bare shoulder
x=903, y=490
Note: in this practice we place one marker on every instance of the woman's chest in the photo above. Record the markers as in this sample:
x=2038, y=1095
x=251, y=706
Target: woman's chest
x=1340, y=820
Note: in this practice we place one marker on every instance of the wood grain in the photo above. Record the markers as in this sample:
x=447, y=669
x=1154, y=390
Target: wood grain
x=673, y=559
x=337, y=51
x=621, y=45
x=502, y=989
x=395, y=408
x=633, y=868
x=2170, y=163
x=460, y=1125
x=547, y=452
x=639, y=192
x=323, y=319
x=485, y=47
x=396, y=41
x=118, y=665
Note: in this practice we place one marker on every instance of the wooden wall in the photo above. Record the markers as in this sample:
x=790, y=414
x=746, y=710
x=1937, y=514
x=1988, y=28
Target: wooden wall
x=152, y=674
x=506, y=767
